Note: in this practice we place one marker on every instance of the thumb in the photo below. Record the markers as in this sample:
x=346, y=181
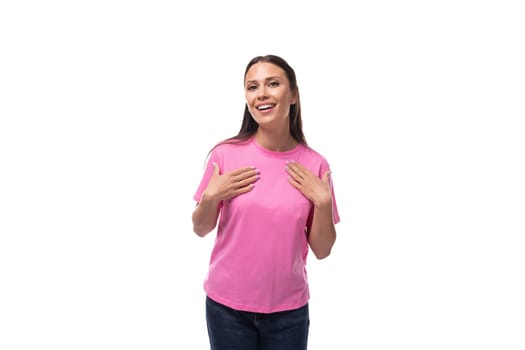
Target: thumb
x=216, y=169
x=326, y=177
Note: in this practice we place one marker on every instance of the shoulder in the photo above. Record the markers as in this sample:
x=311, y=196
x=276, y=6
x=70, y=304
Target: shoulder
x=312, y=154
x=225, y=150
x=314, y=160
x=225, y=147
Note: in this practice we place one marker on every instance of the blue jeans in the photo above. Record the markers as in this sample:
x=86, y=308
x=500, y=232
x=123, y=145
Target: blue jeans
x=230, y=329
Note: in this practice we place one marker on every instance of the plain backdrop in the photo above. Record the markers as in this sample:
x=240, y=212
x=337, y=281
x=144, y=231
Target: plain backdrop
x=108, y=109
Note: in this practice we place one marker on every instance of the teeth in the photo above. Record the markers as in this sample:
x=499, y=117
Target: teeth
x=265, y=106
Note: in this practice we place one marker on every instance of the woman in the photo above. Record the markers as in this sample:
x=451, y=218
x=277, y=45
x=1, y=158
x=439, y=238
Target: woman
x=273, y=199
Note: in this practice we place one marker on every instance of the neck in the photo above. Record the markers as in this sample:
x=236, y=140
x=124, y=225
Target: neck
x=275, y=142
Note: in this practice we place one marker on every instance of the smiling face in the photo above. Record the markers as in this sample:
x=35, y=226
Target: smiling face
x=268, y=95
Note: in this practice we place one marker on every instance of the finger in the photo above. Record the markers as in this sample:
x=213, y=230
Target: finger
x=246, y=175
x=296, y=165
x=293, y=167
x=294, y=175
x=295, y=183
x=243, y=170
x=244, y=189
x=244, y=182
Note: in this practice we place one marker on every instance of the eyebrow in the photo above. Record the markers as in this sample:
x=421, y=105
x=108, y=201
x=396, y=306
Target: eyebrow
x=266, y=79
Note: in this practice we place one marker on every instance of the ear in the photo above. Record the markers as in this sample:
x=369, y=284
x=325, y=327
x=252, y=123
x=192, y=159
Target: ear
x=295, y=94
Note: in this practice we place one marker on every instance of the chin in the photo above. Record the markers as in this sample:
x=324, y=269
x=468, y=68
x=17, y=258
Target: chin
x=261, y=119
x=264, y=121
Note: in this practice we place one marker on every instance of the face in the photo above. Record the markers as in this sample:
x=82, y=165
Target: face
x=268, y=94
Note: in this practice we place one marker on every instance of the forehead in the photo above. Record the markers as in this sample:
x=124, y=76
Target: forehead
x=264, y=70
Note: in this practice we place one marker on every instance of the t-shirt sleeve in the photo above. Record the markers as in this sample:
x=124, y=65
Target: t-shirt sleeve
x=208, y=171
x=324, y=168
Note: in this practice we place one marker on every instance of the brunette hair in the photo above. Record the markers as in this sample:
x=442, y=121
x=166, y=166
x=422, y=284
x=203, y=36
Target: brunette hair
x=249, y=125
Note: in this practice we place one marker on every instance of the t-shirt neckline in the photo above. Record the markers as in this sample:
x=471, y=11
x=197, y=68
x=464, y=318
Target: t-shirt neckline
x=276, y=153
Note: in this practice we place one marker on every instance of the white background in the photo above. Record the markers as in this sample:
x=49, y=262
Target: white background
x=108, y=109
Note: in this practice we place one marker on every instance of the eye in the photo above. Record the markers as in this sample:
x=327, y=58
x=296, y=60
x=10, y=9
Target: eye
x=273, y=84
x=251, y=87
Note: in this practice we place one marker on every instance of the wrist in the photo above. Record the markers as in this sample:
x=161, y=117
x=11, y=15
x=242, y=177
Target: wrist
x=323, y=203
x=209, y=200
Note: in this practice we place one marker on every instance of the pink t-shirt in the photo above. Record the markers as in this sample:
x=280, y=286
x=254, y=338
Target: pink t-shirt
x=258, y=262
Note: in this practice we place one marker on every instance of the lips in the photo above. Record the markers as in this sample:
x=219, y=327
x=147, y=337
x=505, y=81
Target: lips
x=265, y=106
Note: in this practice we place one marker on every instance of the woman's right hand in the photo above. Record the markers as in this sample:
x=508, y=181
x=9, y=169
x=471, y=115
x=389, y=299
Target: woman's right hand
x=229, y=185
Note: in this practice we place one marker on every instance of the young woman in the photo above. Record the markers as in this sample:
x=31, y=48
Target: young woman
x=273, y=199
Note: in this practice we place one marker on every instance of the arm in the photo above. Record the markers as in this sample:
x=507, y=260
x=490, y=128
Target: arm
x=322, y=233
x=205, y=216
x=219, y=188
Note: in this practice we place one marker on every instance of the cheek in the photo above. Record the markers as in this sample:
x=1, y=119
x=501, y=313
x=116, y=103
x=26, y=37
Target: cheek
x=291, y=98
x=250, y=99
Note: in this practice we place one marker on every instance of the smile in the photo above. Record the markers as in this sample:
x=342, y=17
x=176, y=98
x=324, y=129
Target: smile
x=265, y=106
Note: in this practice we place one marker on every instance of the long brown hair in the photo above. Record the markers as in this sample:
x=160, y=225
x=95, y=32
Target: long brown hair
x=249, y=125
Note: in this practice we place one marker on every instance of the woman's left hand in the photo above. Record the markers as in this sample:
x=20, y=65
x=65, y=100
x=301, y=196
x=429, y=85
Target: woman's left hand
x=316, y=189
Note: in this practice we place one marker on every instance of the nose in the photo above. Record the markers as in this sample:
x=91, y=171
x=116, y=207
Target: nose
x=262, y=93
